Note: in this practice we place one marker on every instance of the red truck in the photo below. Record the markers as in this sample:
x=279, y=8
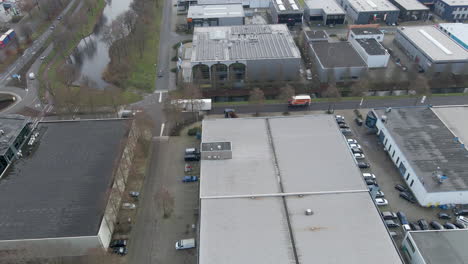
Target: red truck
x=299, y=100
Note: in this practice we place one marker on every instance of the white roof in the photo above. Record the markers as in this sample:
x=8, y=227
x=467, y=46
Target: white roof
x=210, y=11
x=329, y=7
x=243, y=217
x=459, y=30
x=456, y=2
x=302, y=97
x=372, y=5
x=411, y=5
x=451, y=117
x=435, y=44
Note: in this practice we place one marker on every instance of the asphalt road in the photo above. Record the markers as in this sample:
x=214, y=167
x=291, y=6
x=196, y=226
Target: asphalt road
x=372, y=103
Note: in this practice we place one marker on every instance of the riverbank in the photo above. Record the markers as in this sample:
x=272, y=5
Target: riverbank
x=140, y=71
x=67, y=96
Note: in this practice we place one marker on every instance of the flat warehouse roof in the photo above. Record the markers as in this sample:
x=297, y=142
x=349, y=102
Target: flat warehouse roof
x=247, y=42
x=448, y=246
x=366, y=31
x=435, y=44
x=372, y=5
x=372, y=46
x=210, y=11
x=337, y=54
x=456, y=2
x=411, y=5
x=344, y=228
x=329, y=7
x=458, y=30
x=427, y=143
x=60, y=189
x=289, y=6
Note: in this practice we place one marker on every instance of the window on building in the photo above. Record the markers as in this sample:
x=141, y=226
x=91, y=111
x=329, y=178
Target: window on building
x=393, y=154
x=411, y=184
x=397, y=160
x=389, y=148
x=410, y=244
x=407, y=177
x=386, y=140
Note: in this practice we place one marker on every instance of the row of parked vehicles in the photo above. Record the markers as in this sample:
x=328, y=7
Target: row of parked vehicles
x=190, y=154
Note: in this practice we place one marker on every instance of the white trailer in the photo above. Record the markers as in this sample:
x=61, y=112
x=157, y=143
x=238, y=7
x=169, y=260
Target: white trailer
x=193, y=105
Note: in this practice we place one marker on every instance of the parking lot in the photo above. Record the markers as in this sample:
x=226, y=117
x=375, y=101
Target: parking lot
x=154, y=235
x=388, y=176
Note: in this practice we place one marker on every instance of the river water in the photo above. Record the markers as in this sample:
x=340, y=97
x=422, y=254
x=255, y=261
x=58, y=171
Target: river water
x=92, y=53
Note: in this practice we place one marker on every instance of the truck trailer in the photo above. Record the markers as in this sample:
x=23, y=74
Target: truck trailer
x=192, y=105
x=299, y=100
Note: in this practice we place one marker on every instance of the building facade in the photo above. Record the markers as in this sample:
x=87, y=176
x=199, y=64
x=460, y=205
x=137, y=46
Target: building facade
x=215, y=15
x=456, y=31
x=286, y=12
x=411, y=10
x=14, y=131
x=432, y=50
x=372, y=52
x=370, y=11
x=325, y=12
x=452, y=10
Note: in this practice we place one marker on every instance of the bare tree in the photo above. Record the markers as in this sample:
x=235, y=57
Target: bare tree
x=26, y=6
x=26, y=31
x=286, y=92
x=257, y=98
x=333, y=94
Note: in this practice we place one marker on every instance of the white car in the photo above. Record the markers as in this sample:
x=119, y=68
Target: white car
x=351, y=141
x=381, y=201
x=355, y=146
x=359, y=156
x=368, y=176
x=406, y=228
x=128, y=206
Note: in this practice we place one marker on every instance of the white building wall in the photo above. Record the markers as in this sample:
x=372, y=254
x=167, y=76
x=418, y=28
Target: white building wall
x=378, y=37
x=372, y=61
x=415, y=182
x=407, y=246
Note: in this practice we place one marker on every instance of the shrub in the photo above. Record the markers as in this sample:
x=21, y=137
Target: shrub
x=193, y=131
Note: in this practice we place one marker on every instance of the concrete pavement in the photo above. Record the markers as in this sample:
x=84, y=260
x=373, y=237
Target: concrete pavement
x=371, y=103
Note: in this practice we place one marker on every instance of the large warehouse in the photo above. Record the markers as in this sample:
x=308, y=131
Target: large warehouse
x=325, y=12
x=452, y=10
x=257, y=186
x=436, y=246
x=370, y=11
x=432, y=50
x=62, y=196
x=411, y=10
x=287, y=12
x=240, y=53
x=457, y=32
x=215, y=15
x=336, y=61
x=427, y=145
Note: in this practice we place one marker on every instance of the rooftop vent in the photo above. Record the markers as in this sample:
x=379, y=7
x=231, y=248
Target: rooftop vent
x=309, y=212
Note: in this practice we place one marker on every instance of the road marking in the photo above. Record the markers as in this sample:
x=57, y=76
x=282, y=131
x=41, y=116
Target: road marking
x=160, y=97
x=162, y=129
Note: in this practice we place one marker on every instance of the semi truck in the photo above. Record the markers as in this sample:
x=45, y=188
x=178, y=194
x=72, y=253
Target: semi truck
x=193, y=105
x=299, y=100
x=185, y=243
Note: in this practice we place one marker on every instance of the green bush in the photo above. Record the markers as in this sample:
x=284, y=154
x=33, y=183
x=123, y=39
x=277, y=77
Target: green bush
x=174, y=58
x=193, y=131
x=174, y=70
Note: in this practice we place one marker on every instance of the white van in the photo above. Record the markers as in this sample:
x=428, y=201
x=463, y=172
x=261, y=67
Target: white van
x=308, y=74
x=185, y=243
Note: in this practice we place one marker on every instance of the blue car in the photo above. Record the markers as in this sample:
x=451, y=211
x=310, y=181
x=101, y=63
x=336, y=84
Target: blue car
x=190, y=179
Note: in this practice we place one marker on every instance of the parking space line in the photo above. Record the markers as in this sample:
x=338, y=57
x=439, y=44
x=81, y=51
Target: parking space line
x=160, y=97
x=162, y=129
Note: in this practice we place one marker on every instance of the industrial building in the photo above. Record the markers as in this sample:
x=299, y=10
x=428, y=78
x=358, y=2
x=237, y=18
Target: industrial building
x=61, y=196
x=366, y=41
x=336, y=61
x=452, y=10
x=456, y=31
x=411, y=10
x=432, y=50
x=325, y=12
x=237, y=54
x=286, y=12
x=215, y=15
x=436, y=246
x=245, y=3
x=289, y=192
x=427, y=145
x=370, y=11
x=14, y=131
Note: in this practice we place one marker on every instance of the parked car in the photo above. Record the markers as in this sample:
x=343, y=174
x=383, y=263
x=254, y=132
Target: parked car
x=343, y=125
x=449, y=225
x=436, y=225
x=358, y=121
x=190, y=179
x=351, y=141
x=459, y=225
x=442, y=215
x=458, y=212
x=406, y=227
x=134, y=194
x=359, y=156
x=463, y=220
x=391, y=224
x=188, y=167
x=381, y=201
x=407, y=197
x=387, y=215
x=367, y=175
x=160, y=73
x=415, y=226
x=194, y=151
x=402, y=217
x=346, y=131
x=339, y=118
x=192, y=157
x=42, y=58
x=128, y=206
x=379, y=194
x=370, y=182
x=363, y=165
x=394, y=234
x=120, y=251
x=353, y=145
x=356, y=150
x=59, y=18
x=401, y=188
x=423, y=224
x=118, y=243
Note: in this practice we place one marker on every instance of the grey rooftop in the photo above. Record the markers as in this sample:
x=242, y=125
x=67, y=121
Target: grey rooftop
x=215, y=11
x=329, y=7
x=287, y=6
x=61, y=188
x=372, y=5
x=371, y=46
x=448, y=246
x=427, y=143
x=366, y=31
x=247, y=42
x=337, y=54
x=412, y=5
